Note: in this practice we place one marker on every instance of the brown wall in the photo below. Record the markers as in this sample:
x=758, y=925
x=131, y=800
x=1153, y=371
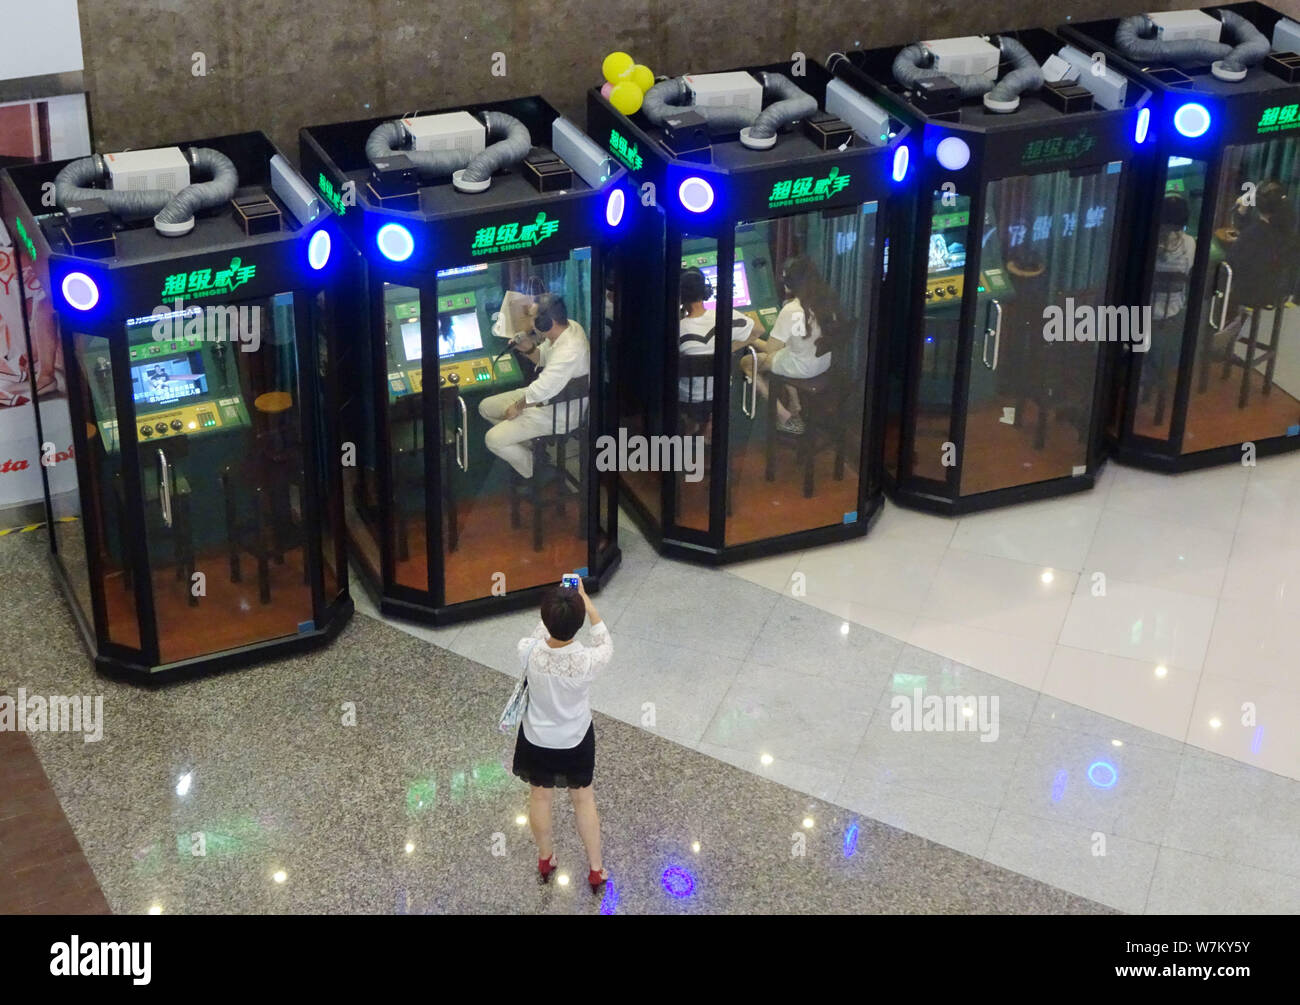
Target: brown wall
x=276, y=65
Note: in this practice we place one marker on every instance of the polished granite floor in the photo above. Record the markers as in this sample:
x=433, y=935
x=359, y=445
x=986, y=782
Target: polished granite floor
x=411, y=809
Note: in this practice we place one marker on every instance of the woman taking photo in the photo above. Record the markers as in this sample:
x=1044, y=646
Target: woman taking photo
x=556, y=746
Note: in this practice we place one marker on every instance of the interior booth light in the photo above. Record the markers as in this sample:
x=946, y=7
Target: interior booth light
x=395, y=242
x=953, y=153
x=1143, y=126
x=80, y=291
x=1192, y=119
x=615, y=205
x=696, y=194
x=318, y=249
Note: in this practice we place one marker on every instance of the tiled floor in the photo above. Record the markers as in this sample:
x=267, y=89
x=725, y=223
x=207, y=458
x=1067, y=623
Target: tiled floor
x=1168, y=603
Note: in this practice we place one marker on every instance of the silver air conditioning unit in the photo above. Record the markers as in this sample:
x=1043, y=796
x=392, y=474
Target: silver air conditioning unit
x=164, y=169
x=458, y=131
x=1177, y=25
x=967, y=56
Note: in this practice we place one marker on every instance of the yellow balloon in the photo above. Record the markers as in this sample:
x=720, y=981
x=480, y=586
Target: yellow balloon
x=643, y=77
x=626, y=97
x=615, y=63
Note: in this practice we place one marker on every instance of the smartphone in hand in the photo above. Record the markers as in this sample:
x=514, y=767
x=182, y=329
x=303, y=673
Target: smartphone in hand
x=571, y=581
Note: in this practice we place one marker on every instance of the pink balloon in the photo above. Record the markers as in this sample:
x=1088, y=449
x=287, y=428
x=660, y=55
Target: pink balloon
x=604, y=91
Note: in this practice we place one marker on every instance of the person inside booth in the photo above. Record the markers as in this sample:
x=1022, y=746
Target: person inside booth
x=558, y=346
x=696, y=328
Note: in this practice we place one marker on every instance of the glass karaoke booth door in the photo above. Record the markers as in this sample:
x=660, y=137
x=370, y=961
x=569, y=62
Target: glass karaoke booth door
x=475, y=484
x=204, y=530
x=1007, y=283
x=747, y=416
x=1217, y=260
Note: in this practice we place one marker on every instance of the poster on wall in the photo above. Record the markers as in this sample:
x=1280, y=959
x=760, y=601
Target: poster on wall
x=43, y=117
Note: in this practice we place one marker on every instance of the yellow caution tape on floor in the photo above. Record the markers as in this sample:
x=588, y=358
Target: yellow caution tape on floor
x=35, y=526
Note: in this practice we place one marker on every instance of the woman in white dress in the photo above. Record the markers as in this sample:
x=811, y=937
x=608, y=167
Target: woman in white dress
x=799, y=344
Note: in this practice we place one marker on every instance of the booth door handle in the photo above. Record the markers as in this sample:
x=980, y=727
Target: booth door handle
x=992, y=331
x=165, y=487
x=750, y=387
x=1225, y=293
x=462, y=436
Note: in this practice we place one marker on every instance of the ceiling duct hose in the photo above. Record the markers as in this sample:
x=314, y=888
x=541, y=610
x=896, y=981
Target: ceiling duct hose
x=1251, y=49
x=1025, y=75
x=72, y=184
x=177, y=217
x=513, y=142
x=914, y=64
x=791, y=104
x=1136, y=38
x=668, y=97
x=390, y=138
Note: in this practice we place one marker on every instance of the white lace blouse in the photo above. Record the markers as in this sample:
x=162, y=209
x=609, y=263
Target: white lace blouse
x=559, y=685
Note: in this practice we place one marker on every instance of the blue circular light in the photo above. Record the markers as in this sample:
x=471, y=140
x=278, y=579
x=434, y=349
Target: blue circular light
x=902, y=157
x=1102, y=774
x=1192, y=120
x=614, y=206
x=395, y=242
x=696, y=194
x=953, y=152
x=318, y=249
x=80, y=291
x=1143, y=126
x=678, y=882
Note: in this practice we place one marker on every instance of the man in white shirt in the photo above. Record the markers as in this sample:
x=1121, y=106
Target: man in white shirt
x=559, y=346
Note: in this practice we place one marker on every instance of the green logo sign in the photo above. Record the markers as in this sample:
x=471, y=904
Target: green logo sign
x=513, y=236
x=1279, y=117
x=625, y=151
x=202, y=282
x=28, y=243
x=797, y=191
x=331, y=194
x=1058, y=148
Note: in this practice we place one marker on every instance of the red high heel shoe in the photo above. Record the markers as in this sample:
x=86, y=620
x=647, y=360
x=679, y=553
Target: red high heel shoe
x=597, y=878
x=546, y=866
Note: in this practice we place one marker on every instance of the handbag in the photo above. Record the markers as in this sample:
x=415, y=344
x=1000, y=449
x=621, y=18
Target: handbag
x=513, y=713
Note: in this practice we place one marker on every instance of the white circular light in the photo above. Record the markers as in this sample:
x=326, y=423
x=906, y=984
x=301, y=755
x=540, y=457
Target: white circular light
x=696, y=194
x=395, y=242
x=80, y=291
x=953, y=153
x=1192, y=120
x=318, y=249
x=614, y=206
x=902, y=158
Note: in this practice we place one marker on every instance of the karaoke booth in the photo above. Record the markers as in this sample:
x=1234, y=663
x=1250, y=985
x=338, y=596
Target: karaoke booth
x=1014, y=243
x=184, y=287
x=760, y=201
x=475, y=223
x=1216, y=251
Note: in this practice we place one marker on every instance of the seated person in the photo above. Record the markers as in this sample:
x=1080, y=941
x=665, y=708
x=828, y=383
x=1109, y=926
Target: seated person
x=559, y=347
x=696, y=329
x=799, y=344
x=1264, y=248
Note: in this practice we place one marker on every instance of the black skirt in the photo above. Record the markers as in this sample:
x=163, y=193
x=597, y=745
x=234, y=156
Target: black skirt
x=552, y=768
